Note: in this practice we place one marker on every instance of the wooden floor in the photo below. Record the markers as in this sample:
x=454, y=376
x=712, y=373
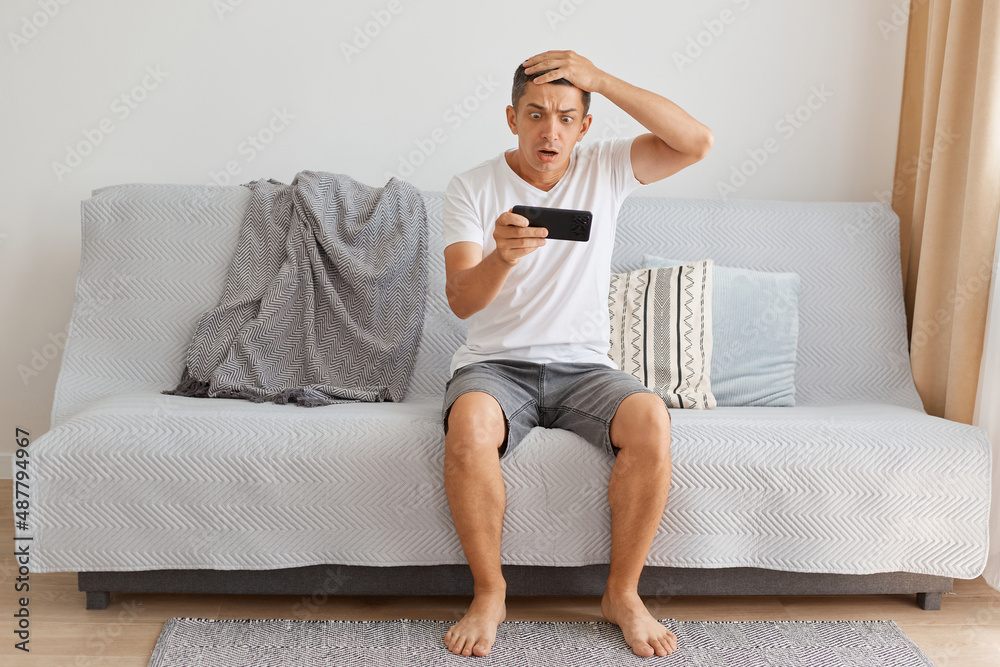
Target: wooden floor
x=964, y=633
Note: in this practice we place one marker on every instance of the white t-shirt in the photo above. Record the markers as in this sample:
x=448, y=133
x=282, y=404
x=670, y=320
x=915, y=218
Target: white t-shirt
x=554, y=303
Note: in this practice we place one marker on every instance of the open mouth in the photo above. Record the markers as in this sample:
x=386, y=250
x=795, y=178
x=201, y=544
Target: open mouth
x=547, y=153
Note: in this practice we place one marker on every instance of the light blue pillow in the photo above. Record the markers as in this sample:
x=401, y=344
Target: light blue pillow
x=755, y=330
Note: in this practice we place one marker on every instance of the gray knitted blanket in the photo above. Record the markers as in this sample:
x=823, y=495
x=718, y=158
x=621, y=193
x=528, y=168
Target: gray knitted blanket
x=324, y=300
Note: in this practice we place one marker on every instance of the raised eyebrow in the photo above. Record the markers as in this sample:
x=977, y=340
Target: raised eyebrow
x=539, y=106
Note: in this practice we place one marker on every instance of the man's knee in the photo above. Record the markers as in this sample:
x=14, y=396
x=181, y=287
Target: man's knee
x=642, y=421
x=475, y=422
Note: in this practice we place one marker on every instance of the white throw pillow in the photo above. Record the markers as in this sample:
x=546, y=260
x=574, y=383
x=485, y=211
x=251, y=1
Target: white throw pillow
x=755, y=329
x=661, y=331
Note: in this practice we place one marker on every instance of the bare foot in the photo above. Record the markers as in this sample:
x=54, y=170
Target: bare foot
x=477, y=630
x=643, y=633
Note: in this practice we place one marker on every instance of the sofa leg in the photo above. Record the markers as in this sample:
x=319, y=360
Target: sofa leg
x=98, y=599
x=929, y=601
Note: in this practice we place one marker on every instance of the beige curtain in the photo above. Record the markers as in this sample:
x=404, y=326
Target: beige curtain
x=947, y=194
x=988, y=417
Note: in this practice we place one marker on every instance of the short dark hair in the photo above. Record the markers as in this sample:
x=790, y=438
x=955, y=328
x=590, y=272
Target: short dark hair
x=521, y=80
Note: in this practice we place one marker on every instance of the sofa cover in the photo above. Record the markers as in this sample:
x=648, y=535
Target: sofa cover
x=854, y=479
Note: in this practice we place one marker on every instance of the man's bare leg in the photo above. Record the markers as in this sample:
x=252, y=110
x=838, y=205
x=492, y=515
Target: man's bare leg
x=637, y=494
x=476, y=496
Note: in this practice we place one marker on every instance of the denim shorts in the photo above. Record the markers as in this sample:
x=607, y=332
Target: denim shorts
x=579, y=397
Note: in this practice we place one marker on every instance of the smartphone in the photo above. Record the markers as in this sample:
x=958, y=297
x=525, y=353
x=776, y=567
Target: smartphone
x=563, y=224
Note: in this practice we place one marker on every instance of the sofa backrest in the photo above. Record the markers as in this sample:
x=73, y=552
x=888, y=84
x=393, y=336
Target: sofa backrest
x=154, y=259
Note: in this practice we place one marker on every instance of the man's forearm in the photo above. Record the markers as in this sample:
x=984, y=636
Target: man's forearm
x=674, y=126
x=473, y=289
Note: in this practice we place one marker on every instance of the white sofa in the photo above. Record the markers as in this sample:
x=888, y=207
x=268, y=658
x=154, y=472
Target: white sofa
x=855, y=489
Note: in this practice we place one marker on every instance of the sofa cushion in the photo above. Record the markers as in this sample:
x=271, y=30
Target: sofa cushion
x=154, y=258
x=149, y=481
x=755, y=327
x=852, y=344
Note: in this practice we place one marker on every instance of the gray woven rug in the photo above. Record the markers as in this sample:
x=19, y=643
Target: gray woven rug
x=192, y=642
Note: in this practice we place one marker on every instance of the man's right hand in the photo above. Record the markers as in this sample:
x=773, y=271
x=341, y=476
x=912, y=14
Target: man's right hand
x=515, y=239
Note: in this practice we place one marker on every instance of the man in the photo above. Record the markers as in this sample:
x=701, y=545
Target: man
x=532, y=305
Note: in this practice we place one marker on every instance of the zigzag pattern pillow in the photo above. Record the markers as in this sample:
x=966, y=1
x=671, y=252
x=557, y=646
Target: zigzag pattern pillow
x=661, y=331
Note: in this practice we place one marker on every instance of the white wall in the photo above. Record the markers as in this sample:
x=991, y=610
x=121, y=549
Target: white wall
x=169, y=92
